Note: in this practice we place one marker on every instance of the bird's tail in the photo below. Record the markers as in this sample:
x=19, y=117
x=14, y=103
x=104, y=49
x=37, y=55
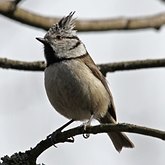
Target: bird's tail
x=119, y=139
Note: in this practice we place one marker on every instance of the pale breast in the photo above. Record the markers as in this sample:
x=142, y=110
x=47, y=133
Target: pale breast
x=74, y=91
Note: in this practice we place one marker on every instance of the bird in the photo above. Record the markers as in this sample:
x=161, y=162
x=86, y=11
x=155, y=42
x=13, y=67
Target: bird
x=73, y=82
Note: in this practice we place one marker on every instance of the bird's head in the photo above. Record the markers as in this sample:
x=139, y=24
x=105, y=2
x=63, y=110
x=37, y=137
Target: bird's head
x=61, y=40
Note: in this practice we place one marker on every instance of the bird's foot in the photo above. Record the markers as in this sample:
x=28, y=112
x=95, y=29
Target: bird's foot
x=87, y=124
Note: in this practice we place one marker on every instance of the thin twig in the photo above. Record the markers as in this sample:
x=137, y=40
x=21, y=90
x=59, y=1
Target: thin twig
x=123, y=127
x=30, y=156
x=121, y=23
x=105, y=68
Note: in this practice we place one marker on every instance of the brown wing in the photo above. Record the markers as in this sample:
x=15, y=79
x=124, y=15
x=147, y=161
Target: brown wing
x=94, y=69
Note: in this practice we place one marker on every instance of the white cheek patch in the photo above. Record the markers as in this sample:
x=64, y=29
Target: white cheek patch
x=78, y=51
x=62, y=50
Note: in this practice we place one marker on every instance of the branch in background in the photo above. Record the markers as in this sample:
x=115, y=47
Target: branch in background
x=25, y=17
x=17, y=1
x=131, y=65
x=163, y=1
x=31, y=155
x=22, y=65
x=121, y=23
x=104, y=68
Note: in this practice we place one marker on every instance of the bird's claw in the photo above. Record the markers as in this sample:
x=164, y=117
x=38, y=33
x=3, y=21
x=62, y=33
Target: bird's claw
x=85, y=125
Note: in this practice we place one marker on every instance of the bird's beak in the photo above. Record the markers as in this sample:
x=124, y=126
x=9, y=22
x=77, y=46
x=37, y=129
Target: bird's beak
x=42, y=40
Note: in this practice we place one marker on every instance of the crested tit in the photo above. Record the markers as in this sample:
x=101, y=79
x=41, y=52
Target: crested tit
x=74, y=85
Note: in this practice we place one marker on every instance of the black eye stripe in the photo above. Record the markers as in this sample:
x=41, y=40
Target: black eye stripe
x=61, y=37
x=76, y=45
x=73, y=37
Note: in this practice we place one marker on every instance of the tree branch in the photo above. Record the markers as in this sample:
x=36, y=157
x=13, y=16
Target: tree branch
x=132, y=65
x=17, y=1
x=104, y=68
x=22, y=65
x=61, y=137
x=121, y=23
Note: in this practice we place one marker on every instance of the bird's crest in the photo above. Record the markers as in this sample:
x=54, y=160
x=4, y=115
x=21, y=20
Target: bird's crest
x=64, y=27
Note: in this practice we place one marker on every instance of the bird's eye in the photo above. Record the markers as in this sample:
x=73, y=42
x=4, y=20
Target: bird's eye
x=59, y=37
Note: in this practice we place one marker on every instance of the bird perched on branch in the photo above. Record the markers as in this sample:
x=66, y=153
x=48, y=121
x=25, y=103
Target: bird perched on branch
x=74, y=85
